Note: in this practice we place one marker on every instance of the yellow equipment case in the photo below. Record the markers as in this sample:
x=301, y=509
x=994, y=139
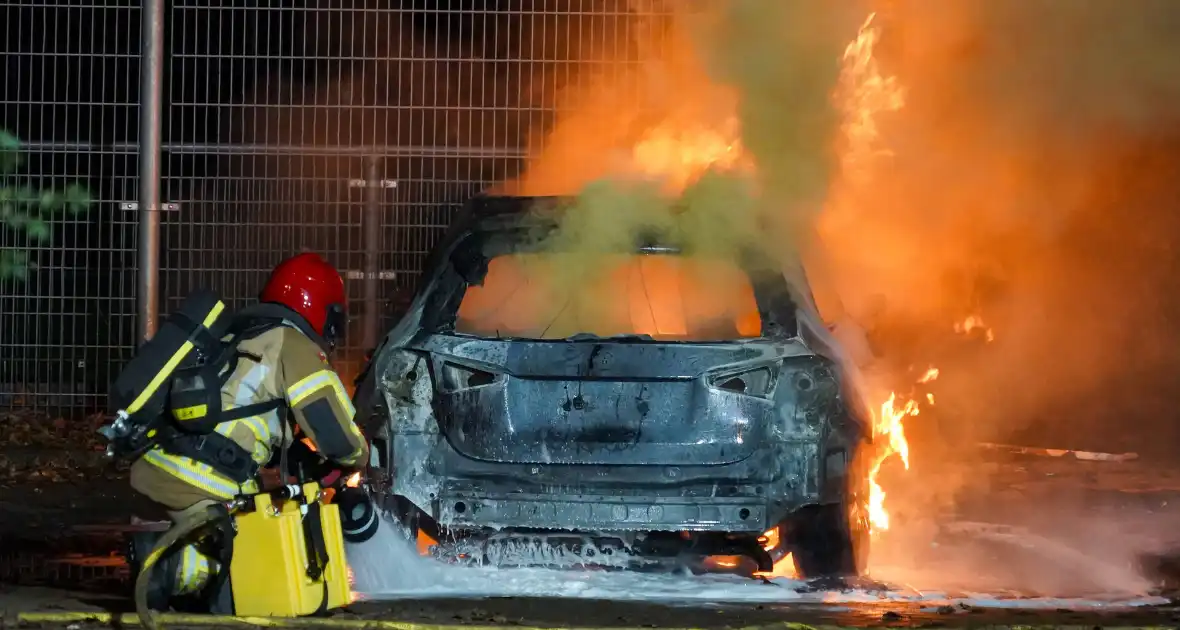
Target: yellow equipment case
x=288, y=556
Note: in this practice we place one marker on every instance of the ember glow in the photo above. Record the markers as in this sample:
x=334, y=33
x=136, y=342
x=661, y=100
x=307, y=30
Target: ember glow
x=784, y=568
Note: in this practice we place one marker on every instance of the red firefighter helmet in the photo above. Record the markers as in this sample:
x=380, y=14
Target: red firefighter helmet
x=308, y=285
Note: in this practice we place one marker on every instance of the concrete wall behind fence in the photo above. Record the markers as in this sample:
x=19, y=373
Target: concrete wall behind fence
x=286, y=126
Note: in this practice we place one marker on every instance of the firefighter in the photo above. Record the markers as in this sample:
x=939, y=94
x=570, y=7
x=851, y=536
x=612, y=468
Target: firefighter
x=287, y=365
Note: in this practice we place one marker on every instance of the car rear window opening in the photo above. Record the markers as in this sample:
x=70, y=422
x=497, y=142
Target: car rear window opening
x=558, y=295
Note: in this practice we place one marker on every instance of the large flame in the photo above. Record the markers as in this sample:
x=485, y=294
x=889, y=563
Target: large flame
x=888, y=424
x=864, y=93
x=680, y=148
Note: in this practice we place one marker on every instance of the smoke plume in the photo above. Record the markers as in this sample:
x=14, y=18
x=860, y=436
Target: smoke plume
x=1033, y=168
x=1031, y=179
x=669, y=147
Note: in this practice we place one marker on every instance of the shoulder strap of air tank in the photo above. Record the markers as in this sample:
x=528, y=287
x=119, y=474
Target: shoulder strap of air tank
x=249, y=326
x=241, y=329
x=254, y=409
x=246, y=326
x=193, y=330
x=282, y=316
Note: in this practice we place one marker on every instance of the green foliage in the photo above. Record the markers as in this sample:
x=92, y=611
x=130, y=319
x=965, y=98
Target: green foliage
x=27, y=212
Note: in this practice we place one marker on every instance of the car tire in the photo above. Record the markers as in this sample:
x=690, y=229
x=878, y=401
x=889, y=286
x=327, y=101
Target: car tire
x=827, y=542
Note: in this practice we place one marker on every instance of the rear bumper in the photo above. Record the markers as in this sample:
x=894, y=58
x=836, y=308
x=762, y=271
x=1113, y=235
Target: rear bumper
x=602, y=512
x=751, y=495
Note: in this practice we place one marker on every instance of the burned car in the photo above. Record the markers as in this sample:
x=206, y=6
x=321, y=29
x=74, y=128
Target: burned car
x=675, y=412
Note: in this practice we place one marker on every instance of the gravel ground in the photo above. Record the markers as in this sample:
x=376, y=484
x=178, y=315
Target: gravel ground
x=549, y=613
x=54, y=475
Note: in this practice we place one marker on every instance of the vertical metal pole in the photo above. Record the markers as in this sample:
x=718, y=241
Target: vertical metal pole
x=150, y=132
x=372, y=226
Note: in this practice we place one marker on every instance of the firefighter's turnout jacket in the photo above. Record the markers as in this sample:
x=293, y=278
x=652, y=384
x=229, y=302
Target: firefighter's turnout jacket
x=293, y=368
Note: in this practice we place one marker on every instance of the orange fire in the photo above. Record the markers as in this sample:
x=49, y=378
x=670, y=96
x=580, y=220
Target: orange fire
x=785, y=567
x=888, y=423
x=863, y=93
x=973, y=323
x=677, y=154
x=930, y=375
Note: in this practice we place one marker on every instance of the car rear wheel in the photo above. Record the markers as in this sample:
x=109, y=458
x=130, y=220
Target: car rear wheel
x=827, y=542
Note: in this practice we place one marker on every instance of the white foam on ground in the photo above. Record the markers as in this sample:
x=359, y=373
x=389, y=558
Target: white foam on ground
x=386, y=567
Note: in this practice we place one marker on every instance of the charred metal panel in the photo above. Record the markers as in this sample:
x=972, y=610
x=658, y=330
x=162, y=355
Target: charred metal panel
x=465, y=436
x=413, y=476
x=606, y=360
x=602, y=513
x=596, y=422
x=409, y=393
x=437, y=479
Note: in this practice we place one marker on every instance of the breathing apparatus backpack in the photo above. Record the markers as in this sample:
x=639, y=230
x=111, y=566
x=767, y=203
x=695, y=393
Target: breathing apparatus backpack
x=169, y=394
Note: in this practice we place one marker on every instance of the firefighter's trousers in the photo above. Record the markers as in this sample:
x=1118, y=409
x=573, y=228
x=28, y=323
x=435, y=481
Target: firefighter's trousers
x=185, y=499
x=194, y=568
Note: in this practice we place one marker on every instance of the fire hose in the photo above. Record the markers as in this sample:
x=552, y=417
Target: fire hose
x=174, y=535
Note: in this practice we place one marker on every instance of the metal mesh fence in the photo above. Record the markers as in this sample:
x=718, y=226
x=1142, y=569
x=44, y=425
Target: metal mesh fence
x=353, y=129
x=68, y=89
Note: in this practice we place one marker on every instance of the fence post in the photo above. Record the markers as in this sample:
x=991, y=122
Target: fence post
x=374, y=190
x=151, y=104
